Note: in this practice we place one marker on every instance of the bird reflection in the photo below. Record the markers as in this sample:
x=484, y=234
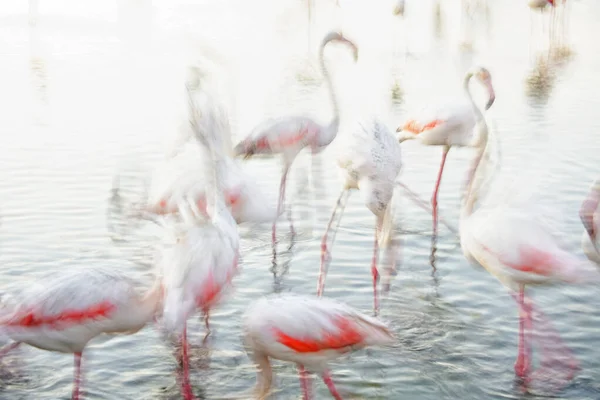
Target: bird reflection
x=540, y=81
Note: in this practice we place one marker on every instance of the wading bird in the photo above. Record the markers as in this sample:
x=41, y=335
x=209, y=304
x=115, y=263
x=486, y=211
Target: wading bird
x=590, y=217
x=463, y=125
x=199, y=267
x=289, y=135
x=519, y=250
x=369, y=159
x=183, y=174
x=308, y=331
x=64, y=313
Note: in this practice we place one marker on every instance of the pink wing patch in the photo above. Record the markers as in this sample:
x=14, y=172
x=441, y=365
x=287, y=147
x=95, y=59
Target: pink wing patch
x=68, y=317
x=414, y=127
x=532, y=260
x=346, y=336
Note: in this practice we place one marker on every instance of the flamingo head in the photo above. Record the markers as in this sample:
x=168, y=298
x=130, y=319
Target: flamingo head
x=339, y=37
x=484, y=76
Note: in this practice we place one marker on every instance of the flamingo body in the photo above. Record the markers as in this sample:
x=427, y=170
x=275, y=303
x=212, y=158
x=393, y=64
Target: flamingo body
x=183, y=174
x=308, y=331
x=63, y=314
x=444, y=126
x=519, y=250
x=197, y=270
x=287, y=136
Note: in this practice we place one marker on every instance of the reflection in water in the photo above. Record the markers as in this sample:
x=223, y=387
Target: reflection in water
x=540, y=81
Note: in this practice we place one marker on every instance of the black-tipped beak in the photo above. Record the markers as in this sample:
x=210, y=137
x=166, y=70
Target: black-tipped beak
x=492, y=95
x=490, y=102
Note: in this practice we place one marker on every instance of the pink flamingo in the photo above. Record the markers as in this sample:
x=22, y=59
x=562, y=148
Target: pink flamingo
x=518, y=250
x=308, y=331
x=590, y=217
x=460, y=126
x=199, y=267
x=63, y=314
x=289, y=135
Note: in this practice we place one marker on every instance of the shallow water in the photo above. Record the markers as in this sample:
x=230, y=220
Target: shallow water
x=95, y=90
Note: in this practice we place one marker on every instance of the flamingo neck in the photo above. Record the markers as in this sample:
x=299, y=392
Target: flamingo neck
x=333, y=127
x=474, y=181
x=264, y=377
x=476, y=110
x=149, y=306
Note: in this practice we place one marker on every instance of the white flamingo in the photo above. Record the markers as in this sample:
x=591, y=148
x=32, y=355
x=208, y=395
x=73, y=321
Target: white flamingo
x=590, y=217
x=65, y=312
x=369, y=159
x=309, y=331
x=182, y=173
x=519, y=250
x=462, y=125
x=289, y=135
x=199, y=267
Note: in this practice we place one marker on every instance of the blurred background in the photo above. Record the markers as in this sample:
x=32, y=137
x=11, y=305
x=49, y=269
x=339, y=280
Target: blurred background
x=91, y=94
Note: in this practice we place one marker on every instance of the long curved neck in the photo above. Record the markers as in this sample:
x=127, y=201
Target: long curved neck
x=333, y=127
x=474, y=180
x=476, y=109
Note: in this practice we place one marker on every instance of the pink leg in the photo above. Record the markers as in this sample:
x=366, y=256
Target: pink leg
x=77, y=381
x=186, y=388
x=375, y=273
x=523, y=363
x=6, y=349
x=331, y=386
x=325, y=253
x=434, y=197
x=304, y=382
x=280, y=202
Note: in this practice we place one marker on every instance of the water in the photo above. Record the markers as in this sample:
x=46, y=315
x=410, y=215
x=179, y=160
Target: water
x=95, y=89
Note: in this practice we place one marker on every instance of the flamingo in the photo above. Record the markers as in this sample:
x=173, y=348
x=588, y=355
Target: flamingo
x=309, y=331
x=590, y=217
x=199, y=267
x=462, y=126
x=181, y=174
x=518, y=250
x=64, y=313
x=369, y=159
x=289, y=135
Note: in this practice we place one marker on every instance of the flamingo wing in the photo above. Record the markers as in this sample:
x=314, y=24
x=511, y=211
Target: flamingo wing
x=518, y=248
x=278, y=136
x=444, y=125
x=196, y=270
x=290, y=324
x=84, y=295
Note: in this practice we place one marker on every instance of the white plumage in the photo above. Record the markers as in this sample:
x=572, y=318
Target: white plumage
x=309, y=331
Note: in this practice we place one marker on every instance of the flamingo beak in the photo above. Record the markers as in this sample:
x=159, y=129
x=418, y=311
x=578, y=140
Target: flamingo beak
x=587, y=215
x=492, y=95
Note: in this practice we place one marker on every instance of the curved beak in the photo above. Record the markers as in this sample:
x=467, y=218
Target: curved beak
x=491, y=93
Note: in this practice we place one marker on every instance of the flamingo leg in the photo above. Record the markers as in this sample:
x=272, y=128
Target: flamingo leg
x=304, y=382
x=77, y=380
x=331, y=386
x=6, y=349
x=186, y=388
x=325, y=253
x=375, y=273
x=523, y=363
x=280, y=202
x=434, y=197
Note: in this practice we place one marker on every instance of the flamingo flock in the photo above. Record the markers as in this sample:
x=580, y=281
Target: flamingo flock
x=200, y=193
